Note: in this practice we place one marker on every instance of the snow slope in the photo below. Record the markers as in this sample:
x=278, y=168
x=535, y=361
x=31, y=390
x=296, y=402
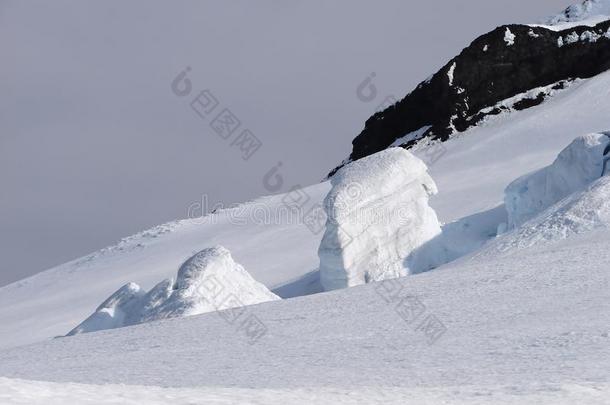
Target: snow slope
x=471, y=176
x=581, y=212
x=520, y=327
x=21, y=392
x=589, y=12
x=577, y=166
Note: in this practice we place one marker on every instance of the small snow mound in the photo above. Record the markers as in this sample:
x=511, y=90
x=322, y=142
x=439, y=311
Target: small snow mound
x=378, y=217
x=579, y=164
x=209, y=281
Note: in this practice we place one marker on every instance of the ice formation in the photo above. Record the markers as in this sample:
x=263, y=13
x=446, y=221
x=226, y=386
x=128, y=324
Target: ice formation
x=584, y=211
x=579, y=164
x=208, y=281
x=378, y=217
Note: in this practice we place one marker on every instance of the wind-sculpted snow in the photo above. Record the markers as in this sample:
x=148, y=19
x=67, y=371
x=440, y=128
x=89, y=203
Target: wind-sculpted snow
x=209, y=281
x=378, y=216
x=582, y=162
x=516, y=64
x=581, y=212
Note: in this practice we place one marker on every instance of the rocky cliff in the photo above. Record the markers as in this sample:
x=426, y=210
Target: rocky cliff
x=522, y=62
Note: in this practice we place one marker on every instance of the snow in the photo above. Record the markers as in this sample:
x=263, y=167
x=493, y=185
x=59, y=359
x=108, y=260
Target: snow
x=120, y=309
x=411, y=136
x=378, y=216
x=451, y=72
x=250, y=231
x=509, y=37
x=20, y=392
x=209, y=281
x=580, y=163
x=587, y=13
x=525, y=327
x=586, y=36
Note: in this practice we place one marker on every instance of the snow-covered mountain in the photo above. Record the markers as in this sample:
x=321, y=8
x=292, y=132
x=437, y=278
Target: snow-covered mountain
x=511, y=210
x=589, y=12
x=513, y=67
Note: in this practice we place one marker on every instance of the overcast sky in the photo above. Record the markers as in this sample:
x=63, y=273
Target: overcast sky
x=95, y=145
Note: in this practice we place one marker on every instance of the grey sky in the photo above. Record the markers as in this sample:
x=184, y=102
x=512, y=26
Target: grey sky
x=94, y=145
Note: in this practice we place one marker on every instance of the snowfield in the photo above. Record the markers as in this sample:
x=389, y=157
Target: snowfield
x=523, y=325
x=581, y=212
x=20, y=392
x=531, y=320
x=512, y=317
x=279, y=250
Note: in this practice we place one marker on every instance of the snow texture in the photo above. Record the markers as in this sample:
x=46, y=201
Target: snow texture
x=471, y=173
x=516, y=327
x=209, y=281
x=581, y=212
x=509, y=37
x=581, y=13
x=378, y=217
x=21, y=392
x=582, y=162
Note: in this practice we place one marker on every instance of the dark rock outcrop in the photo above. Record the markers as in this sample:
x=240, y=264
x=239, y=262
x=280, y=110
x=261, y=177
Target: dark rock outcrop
x=501, y=64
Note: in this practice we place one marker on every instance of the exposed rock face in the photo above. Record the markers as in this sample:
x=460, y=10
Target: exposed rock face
x=501, y=64
x=208, y=281
x=378, y=219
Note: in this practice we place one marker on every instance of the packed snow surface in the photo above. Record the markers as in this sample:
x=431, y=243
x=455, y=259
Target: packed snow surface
x=378, y=217
x=208, y=281
x=579, y=164
x=23, y=392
